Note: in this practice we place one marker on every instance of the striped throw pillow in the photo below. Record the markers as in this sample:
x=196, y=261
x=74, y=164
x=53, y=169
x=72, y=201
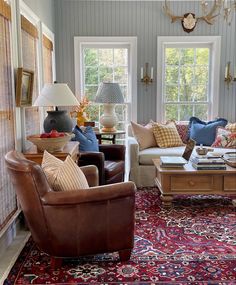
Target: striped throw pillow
x=166, y=135
x=63, y=175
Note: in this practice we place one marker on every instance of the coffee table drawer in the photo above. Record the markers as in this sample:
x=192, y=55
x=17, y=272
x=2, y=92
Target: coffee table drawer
x=192, y=182
x=230, y=183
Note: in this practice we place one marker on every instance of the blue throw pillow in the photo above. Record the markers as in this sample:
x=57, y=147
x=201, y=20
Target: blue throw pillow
x=87, y=139
x=204, y=132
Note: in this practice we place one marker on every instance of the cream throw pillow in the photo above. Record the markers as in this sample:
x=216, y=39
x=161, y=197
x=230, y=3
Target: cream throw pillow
x=166, y=135
x=231, y=127
x=144, y=135
x=63, y=175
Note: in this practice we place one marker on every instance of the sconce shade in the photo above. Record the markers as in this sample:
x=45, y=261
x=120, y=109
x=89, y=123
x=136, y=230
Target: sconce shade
x=56, y=94
x=109, y=93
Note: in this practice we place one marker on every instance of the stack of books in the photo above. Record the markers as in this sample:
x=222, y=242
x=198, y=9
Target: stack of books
x=172, y=161
x=208, y=163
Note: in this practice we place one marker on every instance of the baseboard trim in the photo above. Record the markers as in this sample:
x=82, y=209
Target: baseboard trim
x=15, y=256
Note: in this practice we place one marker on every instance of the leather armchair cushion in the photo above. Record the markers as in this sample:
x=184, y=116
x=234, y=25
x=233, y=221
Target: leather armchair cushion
x=63, y=175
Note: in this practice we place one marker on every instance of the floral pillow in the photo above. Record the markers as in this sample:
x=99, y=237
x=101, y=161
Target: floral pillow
x=225, y=138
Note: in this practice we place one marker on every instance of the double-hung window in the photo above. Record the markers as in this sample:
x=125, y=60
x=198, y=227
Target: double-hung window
x=110, y=59
x=189, y=81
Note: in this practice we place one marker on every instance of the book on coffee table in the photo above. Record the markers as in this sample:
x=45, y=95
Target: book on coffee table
x=172, y=161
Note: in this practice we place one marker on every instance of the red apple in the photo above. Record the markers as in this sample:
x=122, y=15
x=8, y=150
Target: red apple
x=45, y=135
x=54, y=134
x=61, y=134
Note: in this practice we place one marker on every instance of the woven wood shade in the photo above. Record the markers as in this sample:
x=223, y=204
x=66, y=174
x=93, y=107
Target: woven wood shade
x=29, y=54
x=8, y=204
x=28, y=27
x=47, y=43
x=5, y=10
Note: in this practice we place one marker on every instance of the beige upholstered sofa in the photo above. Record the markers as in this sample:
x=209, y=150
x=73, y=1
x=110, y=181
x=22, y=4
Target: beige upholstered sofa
x=139, y=162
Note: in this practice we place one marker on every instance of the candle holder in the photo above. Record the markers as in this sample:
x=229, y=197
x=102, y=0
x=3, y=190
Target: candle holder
x=146, y=79
x=228, y=76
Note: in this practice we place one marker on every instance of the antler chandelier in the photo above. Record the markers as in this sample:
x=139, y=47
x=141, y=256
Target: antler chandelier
x=189, y=20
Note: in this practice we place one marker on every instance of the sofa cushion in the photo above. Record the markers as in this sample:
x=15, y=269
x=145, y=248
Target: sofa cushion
x=86, y=138
x=225, y=138
x=166, y=135
x=204, y=132
x=144, y=135
x=147, y=155
x=63, y=175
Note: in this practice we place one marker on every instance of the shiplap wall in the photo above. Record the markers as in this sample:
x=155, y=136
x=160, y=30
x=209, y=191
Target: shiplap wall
x=44, y=9
x=146, y=20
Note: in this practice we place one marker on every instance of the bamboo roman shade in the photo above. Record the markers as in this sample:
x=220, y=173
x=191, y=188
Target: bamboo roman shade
x=5, y=10
x=8, y=204
x=29, y=54
x=47, y=60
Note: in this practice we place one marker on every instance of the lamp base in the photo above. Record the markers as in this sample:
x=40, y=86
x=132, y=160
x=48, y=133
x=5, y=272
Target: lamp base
x=58, y=120
x=108, y=120
x=108, y=130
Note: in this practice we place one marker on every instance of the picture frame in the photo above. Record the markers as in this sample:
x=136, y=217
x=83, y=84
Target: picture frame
x=24, y=87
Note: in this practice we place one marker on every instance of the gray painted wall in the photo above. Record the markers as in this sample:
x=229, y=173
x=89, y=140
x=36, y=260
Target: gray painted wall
x=146, y=20
x=44, y=9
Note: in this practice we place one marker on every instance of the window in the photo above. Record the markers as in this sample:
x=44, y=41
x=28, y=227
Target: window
x=111, y=59
x=29, y=35
x=188, y=78
x=8, y=204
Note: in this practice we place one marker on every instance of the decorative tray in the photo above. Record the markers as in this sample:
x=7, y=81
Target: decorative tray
x=230, y=158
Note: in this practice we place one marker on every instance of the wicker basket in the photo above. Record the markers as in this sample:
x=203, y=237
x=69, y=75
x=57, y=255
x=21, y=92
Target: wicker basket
x=50, y=144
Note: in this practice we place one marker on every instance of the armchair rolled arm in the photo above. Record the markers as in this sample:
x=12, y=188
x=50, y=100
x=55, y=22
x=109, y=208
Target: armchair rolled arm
x=113, y=151
x=91, y=174
x=93, y=194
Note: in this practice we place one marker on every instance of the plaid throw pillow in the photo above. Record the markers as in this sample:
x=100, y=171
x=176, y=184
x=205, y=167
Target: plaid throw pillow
x=166, y=135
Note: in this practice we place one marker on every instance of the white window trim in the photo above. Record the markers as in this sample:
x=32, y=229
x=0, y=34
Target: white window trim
x=79, y=42
x=215, y=42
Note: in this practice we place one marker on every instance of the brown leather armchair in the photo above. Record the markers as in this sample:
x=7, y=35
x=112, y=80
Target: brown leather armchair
x=110, y=161
x=74, y=223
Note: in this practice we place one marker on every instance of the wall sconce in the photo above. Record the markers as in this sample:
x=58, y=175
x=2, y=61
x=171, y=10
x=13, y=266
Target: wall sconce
x=145, y=78
x=228, y=75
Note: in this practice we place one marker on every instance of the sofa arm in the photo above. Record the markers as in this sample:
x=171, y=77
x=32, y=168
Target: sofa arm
x=93, y=158
x=132, y=153
x=113, y=151
x=91, y=174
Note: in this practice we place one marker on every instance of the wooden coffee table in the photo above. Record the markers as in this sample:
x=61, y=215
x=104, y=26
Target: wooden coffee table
x=189, y=181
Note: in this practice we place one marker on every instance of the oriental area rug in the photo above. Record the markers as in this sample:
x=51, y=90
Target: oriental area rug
x=192, y=242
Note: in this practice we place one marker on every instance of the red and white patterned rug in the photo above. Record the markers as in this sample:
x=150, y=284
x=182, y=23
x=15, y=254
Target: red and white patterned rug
x=193, y=242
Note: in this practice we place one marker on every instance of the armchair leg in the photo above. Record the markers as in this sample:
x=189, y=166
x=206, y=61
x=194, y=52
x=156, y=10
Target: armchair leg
x=55, y=262
x=124, y=254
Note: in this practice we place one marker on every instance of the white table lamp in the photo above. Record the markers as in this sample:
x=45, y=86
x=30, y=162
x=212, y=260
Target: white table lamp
x=56, y=94
x=109, y=94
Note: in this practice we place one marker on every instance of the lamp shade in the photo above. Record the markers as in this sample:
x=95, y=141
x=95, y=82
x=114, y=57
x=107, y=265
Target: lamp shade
x=109, y=93
x=56, y=94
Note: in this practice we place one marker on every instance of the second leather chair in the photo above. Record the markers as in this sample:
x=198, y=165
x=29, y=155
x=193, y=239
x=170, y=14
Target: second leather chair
x=110, y=161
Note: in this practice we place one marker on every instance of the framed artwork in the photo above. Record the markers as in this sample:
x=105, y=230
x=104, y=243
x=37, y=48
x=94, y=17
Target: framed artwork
x=24, y=87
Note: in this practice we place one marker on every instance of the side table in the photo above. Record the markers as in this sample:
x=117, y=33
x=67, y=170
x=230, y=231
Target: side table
x=103, y=136
x=71, y=148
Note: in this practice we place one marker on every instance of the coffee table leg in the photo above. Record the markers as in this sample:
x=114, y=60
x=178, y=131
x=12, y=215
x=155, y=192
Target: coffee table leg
x=166, y=199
